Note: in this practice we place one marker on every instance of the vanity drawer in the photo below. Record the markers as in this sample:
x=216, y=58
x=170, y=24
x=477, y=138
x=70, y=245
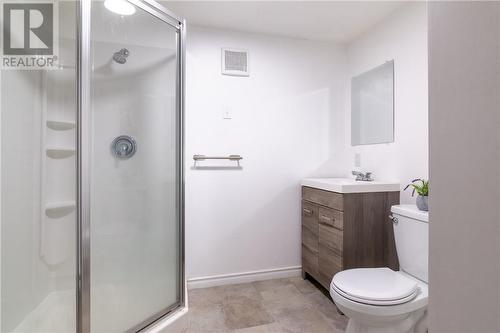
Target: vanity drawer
x=310, y=261
x=331, y=217
x=330, y=264
x=331, y=238
x=324, y=198
x=310, y=216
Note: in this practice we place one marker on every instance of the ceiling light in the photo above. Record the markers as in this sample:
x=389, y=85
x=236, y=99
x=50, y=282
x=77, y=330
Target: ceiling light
x=121, y=7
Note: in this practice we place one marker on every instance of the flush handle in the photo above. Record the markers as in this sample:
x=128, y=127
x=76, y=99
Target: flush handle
x=393, y=219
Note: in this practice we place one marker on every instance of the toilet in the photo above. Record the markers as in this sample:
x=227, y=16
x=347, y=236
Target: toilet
x=380, y=300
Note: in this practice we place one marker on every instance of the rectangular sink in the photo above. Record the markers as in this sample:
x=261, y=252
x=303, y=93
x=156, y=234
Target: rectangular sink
x=348, y=185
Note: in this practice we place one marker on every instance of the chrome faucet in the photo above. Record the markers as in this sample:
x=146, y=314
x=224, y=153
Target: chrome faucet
x=364, y=177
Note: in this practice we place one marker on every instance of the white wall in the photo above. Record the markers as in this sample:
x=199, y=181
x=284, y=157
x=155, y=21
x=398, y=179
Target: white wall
x=402, y=37
x=290, y=120
x=249, y=219
x=464, y=81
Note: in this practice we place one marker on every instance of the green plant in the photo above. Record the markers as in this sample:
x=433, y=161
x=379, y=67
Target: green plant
x=421, y=186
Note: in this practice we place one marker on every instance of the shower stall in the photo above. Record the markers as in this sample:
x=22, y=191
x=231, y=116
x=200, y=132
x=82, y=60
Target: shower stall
x=91, y=174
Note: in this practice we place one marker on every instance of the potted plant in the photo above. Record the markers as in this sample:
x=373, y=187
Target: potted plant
x=421, y=186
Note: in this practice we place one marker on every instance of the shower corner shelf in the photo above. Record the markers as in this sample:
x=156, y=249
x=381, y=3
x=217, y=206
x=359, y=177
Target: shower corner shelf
x=58, y=209
x=60, y=152
x=59, y=125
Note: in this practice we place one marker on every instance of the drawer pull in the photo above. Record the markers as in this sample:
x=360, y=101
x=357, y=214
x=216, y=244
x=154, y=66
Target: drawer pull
x=307, y=211
x=326, y=218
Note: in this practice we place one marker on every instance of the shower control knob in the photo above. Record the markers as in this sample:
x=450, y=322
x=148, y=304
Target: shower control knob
x=123, y=147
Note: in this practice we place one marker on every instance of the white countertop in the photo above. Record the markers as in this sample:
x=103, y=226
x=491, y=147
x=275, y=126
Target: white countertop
x=350, y=185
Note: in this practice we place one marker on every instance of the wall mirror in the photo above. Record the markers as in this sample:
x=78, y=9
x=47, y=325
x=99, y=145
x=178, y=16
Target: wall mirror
x=372, y=106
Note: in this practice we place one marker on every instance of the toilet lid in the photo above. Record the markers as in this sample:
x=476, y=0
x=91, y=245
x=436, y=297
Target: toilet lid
x=375, y=286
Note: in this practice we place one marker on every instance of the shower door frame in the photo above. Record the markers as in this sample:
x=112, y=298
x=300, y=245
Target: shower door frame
x=83, y=73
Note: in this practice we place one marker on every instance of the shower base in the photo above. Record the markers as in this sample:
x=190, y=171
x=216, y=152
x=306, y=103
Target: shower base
x=56, y=313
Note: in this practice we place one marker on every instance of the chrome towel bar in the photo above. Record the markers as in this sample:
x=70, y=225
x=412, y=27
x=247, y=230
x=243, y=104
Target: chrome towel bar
x=230, y=157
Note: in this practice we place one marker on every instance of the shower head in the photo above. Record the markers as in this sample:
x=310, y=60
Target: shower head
x=121, y=56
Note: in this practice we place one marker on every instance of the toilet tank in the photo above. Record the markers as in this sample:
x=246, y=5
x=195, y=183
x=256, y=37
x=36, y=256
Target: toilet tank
x=411, y=232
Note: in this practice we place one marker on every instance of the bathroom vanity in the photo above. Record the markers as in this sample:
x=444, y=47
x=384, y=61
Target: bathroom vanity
x=345, y=224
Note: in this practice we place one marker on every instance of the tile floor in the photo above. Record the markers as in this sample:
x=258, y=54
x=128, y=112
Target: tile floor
x=289, y=305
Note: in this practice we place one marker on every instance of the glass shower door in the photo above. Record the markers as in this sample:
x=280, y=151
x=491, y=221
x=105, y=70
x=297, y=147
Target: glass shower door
x=135, y=168
x=37, y=189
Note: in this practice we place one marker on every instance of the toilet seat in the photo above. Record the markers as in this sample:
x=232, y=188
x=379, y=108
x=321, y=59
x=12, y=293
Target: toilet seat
x=375, y=286
x=420, y=301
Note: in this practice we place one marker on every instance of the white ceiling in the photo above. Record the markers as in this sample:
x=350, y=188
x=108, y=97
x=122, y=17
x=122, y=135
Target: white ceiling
x=338, y=21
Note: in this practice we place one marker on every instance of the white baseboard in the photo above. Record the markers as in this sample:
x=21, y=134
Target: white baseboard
x=244, y=277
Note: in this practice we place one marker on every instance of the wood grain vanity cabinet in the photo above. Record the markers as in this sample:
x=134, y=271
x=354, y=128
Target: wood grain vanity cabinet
x=343, y=231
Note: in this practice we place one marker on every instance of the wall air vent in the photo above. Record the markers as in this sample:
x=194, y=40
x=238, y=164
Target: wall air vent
x=235, y=62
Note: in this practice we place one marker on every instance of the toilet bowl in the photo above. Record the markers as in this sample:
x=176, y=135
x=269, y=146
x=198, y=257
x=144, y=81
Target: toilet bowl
x=380, y=300
x=374, y=306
